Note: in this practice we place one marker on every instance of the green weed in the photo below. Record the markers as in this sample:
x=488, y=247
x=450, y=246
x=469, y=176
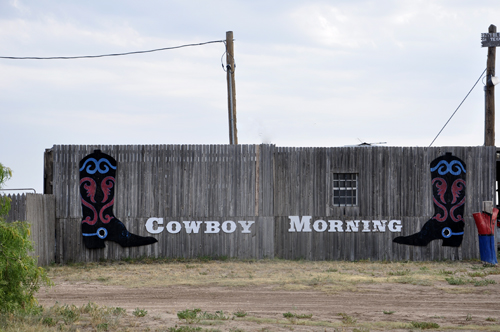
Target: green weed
x=49, y=321
x=477, y=274
x=184, y=328
x=484, y=282
x=240, y=313
x=298, y=316
x=102, y=327
x=456, y=281
x=190, y=316
x=424, y=325
x=219, y=315
x=139, y=312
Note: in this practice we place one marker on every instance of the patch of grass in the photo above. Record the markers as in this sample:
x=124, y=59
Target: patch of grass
x=361, y=329
x=290, y=275
x=89, y=317
x=103, y=279
x=477, y=274
x=139, y=312
x=404, y=272
x=184, y=328
x=195, y=316
x=102, y=327
x=69, y=313
x=494, y=271
x=218, y=315
x=387, y=312
x=189, y=315
x=464, y=281
x=468, y=317
x=303, y=316
x=118, y=311
x=483, y=282
x=424, y=325
x=413, y=281
x=456, y=281
x=346, y=319
x=240, y=313
x=328, y=277
x=490, y=319
x=49, y=321
x=298, y=316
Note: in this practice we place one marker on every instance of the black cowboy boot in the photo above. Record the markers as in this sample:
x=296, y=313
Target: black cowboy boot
x=448, y=191
x=97, y=182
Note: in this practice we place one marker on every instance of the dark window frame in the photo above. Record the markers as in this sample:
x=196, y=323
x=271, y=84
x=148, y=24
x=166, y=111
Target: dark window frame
x=345, y=189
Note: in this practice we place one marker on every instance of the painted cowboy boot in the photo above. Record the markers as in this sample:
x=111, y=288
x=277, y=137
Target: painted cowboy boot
x=97, y=182
x=448, y=191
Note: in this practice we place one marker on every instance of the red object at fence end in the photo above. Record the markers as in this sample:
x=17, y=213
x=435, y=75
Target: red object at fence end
x=485, y=222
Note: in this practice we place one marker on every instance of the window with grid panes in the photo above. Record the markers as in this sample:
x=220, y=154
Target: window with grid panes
x=345, y=189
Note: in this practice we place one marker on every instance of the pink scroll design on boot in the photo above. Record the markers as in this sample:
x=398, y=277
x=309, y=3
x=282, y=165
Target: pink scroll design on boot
x=456, y=190
x=441, y=186
x=91, y=190
x=106, y=185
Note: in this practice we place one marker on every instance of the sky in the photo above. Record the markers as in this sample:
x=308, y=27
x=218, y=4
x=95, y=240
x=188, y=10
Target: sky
x=308, y=74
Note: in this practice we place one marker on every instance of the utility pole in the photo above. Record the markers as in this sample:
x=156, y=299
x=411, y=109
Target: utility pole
x=489, y=95
x=231, y=89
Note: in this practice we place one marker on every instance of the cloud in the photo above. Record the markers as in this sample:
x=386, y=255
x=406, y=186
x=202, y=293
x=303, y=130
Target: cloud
x=309, y=73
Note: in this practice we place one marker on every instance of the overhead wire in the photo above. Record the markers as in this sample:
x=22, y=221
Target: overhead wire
x=110, y=54
x=458, y=106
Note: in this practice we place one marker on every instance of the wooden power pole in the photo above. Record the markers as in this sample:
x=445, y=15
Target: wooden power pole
x=489, y=95
x=231, y=89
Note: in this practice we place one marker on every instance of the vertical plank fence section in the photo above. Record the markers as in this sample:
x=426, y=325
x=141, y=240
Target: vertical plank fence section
x=262, y=186
x=394, y=183
x=39, y=212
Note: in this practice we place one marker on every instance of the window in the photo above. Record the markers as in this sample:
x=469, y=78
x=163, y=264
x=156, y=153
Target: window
x=345, y=189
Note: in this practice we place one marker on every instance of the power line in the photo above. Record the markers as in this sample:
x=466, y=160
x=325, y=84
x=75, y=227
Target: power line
x=459, y=106
x=108, y=55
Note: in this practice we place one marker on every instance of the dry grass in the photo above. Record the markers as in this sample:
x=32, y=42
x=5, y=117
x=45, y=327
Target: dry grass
x=328, y=276
x=324, y=276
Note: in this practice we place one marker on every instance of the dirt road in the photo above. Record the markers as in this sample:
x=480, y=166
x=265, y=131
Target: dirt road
x=370, y=307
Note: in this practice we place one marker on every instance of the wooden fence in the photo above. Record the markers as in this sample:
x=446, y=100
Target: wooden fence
x=266, y=185
x=394, y=183
x=39, y=211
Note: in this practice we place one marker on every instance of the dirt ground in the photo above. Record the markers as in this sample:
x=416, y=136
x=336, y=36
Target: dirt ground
x=377, y=306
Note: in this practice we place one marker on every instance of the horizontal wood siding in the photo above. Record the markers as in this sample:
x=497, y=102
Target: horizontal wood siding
x=267, y=184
